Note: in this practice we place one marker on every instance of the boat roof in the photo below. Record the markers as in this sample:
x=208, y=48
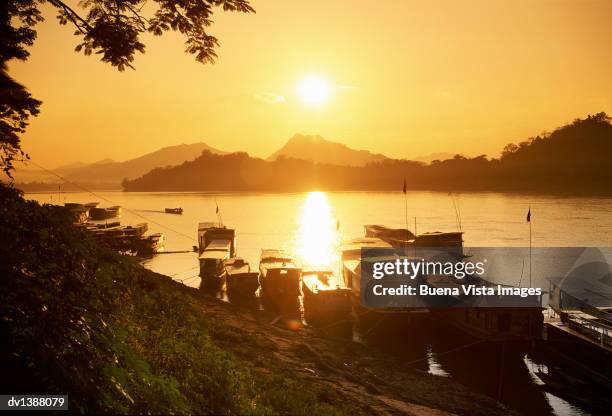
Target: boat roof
x=215, y=255
x=220, y=245
x=236, y=261
x=208, y=225
x=398, y=233
x=275, y=255
x=280, y=265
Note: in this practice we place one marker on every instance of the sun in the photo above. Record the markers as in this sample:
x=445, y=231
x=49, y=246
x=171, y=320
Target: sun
x=313, y=90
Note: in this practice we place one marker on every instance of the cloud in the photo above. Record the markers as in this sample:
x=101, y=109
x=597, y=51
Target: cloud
x=269, y=98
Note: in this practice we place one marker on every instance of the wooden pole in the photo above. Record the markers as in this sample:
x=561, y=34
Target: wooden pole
x=529, y=250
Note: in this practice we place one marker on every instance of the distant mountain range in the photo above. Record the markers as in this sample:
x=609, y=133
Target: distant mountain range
x=573, y=159
x=318, y=150
x=106, y=173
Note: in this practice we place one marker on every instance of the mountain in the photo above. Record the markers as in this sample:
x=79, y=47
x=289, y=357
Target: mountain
x=107, y=172
x=319, y=150
x=572, y=160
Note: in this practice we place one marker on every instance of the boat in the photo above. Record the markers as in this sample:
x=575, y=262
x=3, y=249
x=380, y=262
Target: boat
x=513, y=322
x=402, y=237
x=209, y=231
x=156, y=242
x=92, y=226
x=351, y=262
x=136, y=230
x=241, y=282
x=326, y=299
x=580, y=328
x=212, y=264
x=104, y=213
x=92, y=204
x=79, y=212
x=73, y=205
x=178, y=211
x=279, y=278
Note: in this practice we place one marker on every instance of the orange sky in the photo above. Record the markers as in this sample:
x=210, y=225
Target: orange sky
x=424, y=77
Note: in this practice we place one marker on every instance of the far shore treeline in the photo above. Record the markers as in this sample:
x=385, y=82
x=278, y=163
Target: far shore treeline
x=574, y=159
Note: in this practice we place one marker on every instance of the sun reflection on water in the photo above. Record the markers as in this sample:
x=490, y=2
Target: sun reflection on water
x=317, y=236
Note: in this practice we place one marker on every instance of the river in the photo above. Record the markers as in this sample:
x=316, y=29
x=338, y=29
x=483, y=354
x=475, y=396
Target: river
x=311, y=227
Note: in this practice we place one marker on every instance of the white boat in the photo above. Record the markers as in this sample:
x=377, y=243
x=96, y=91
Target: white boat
x=279, y=278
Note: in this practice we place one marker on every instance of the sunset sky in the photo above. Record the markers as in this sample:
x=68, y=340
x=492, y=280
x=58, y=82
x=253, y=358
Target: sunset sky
x=403, y=78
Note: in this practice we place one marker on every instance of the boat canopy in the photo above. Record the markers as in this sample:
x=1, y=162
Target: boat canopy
x=207, y=225
x=223, y=245
x=273, y=255
x=214, y=255
x=381, y=231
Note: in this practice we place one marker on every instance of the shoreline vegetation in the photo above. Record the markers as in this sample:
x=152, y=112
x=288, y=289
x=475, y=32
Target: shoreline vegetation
x=121, y=339
x=572, y=160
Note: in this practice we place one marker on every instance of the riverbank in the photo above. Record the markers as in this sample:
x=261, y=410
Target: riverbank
x=81, y=320
x=339, y=372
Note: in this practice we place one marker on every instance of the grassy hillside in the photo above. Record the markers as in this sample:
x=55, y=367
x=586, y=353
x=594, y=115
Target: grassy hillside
x=79, y=319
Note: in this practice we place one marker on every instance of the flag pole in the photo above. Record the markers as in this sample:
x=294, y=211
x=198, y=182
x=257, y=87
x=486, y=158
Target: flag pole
x=530, y=250
x=529, y=221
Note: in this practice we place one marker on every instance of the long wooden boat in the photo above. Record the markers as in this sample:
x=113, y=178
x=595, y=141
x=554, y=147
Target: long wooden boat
x=210, y=231
x=177, y=211
x=241, y=282
x=79, y=212
x=402, y=237
x=279, y=278
x=105, y=213
x=136, y=230
x=212, y=264
x=326, y=299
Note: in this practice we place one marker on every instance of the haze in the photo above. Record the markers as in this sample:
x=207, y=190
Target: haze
x=405, y=79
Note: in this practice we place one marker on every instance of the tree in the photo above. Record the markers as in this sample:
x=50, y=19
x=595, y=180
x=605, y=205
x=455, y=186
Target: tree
x=110, y=28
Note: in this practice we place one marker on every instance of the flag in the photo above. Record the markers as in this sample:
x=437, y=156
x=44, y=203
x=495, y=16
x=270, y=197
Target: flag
x=337, y=225
x=529, y=215
x=404, y=190
x=217, y=211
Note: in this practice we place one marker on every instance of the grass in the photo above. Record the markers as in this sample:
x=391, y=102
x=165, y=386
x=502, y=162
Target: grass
x=82, y=320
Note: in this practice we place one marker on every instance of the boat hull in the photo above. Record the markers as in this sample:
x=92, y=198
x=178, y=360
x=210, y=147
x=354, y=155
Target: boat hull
x=242, y=285
x=326, y=306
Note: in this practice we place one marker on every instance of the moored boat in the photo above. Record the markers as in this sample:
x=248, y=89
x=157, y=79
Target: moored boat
x=515, y=324
x=79, y=212
x=136, y=230
x=156, y=242
x=212, y=264
x=326, y=299
x=209, y=231
x=279, y=278
x=104, y=213
x=178, y=211
x=402, y=237
x=241, y=282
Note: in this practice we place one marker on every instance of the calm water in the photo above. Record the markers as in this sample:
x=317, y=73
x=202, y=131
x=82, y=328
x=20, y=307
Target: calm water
x=311, y=226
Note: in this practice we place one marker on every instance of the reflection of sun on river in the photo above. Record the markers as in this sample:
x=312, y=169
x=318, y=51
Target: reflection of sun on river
x=317, y=235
